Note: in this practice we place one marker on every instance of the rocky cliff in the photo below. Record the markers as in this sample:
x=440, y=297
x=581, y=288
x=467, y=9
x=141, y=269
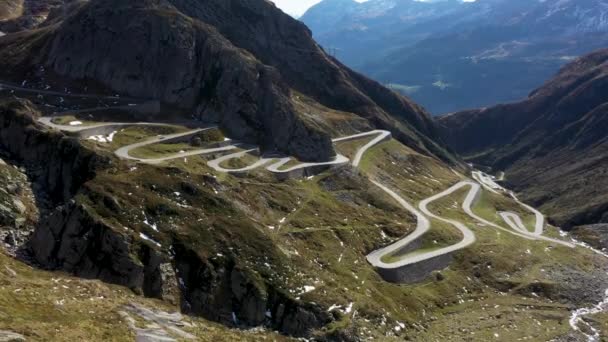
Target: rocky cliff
x=552, y=145
x=91, y=226
x=59, y=163
x=238, y=63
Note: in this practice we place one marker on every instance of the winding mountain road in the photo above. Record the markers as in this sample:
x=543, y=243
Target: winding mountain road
x=423, y=226
x=124, y=152
x=514, y=221
x=516, y=224
x=275, y=165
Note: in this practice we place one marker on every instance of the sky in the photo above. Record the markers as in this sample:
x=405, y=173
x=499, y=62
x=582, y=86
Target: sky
x=297, y=7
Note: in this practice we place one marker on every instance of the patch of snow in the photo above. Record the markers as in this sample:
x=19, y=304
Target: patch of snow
x=333, y=307
x=102, y=138
x=400, y=326
x=306, y=289
x=75, y=123
x=147, y=238
x=151, y=225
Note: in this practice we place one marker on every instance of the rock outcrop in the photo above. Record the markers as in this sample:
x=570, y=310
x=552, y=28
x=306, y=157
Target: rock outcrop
x=18, y=212
x=225, y=292
x=58, y=163
x=71, y=239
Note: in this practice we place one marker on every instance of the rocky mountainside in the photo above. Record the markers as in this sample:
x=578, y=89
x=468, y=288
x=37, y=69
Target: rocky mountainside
x=451, y=56
x=552, y=145
x=239, y=63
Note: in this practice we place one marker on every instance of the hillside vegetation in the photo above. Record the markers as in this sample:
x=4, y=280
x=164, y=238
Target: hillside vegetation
x=551, y=145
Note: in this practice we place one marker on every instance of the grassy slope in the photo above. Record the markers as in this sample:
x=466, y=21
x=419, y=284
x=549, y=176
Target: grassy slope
x=317, y=229
x=316, y=232
x=523, y=266
x=45, y=306
x=160, y=150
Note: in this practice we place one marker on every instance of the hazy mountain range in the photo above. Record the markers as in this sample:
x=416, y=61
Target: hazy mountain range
x=451, y=55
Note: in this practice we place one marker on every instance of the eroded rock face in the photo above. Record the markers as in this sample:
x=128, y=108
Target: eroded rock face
x=287, y=45
x=18, y=212
x=149, y=49
x=72, y=240
x=222, y=291
x=70, y=237
x=61, y=165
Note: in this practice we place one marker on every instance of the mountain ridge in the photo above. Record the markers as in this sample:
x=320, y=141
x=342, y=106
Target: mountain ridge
x=454, y=56
x=555, y=134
